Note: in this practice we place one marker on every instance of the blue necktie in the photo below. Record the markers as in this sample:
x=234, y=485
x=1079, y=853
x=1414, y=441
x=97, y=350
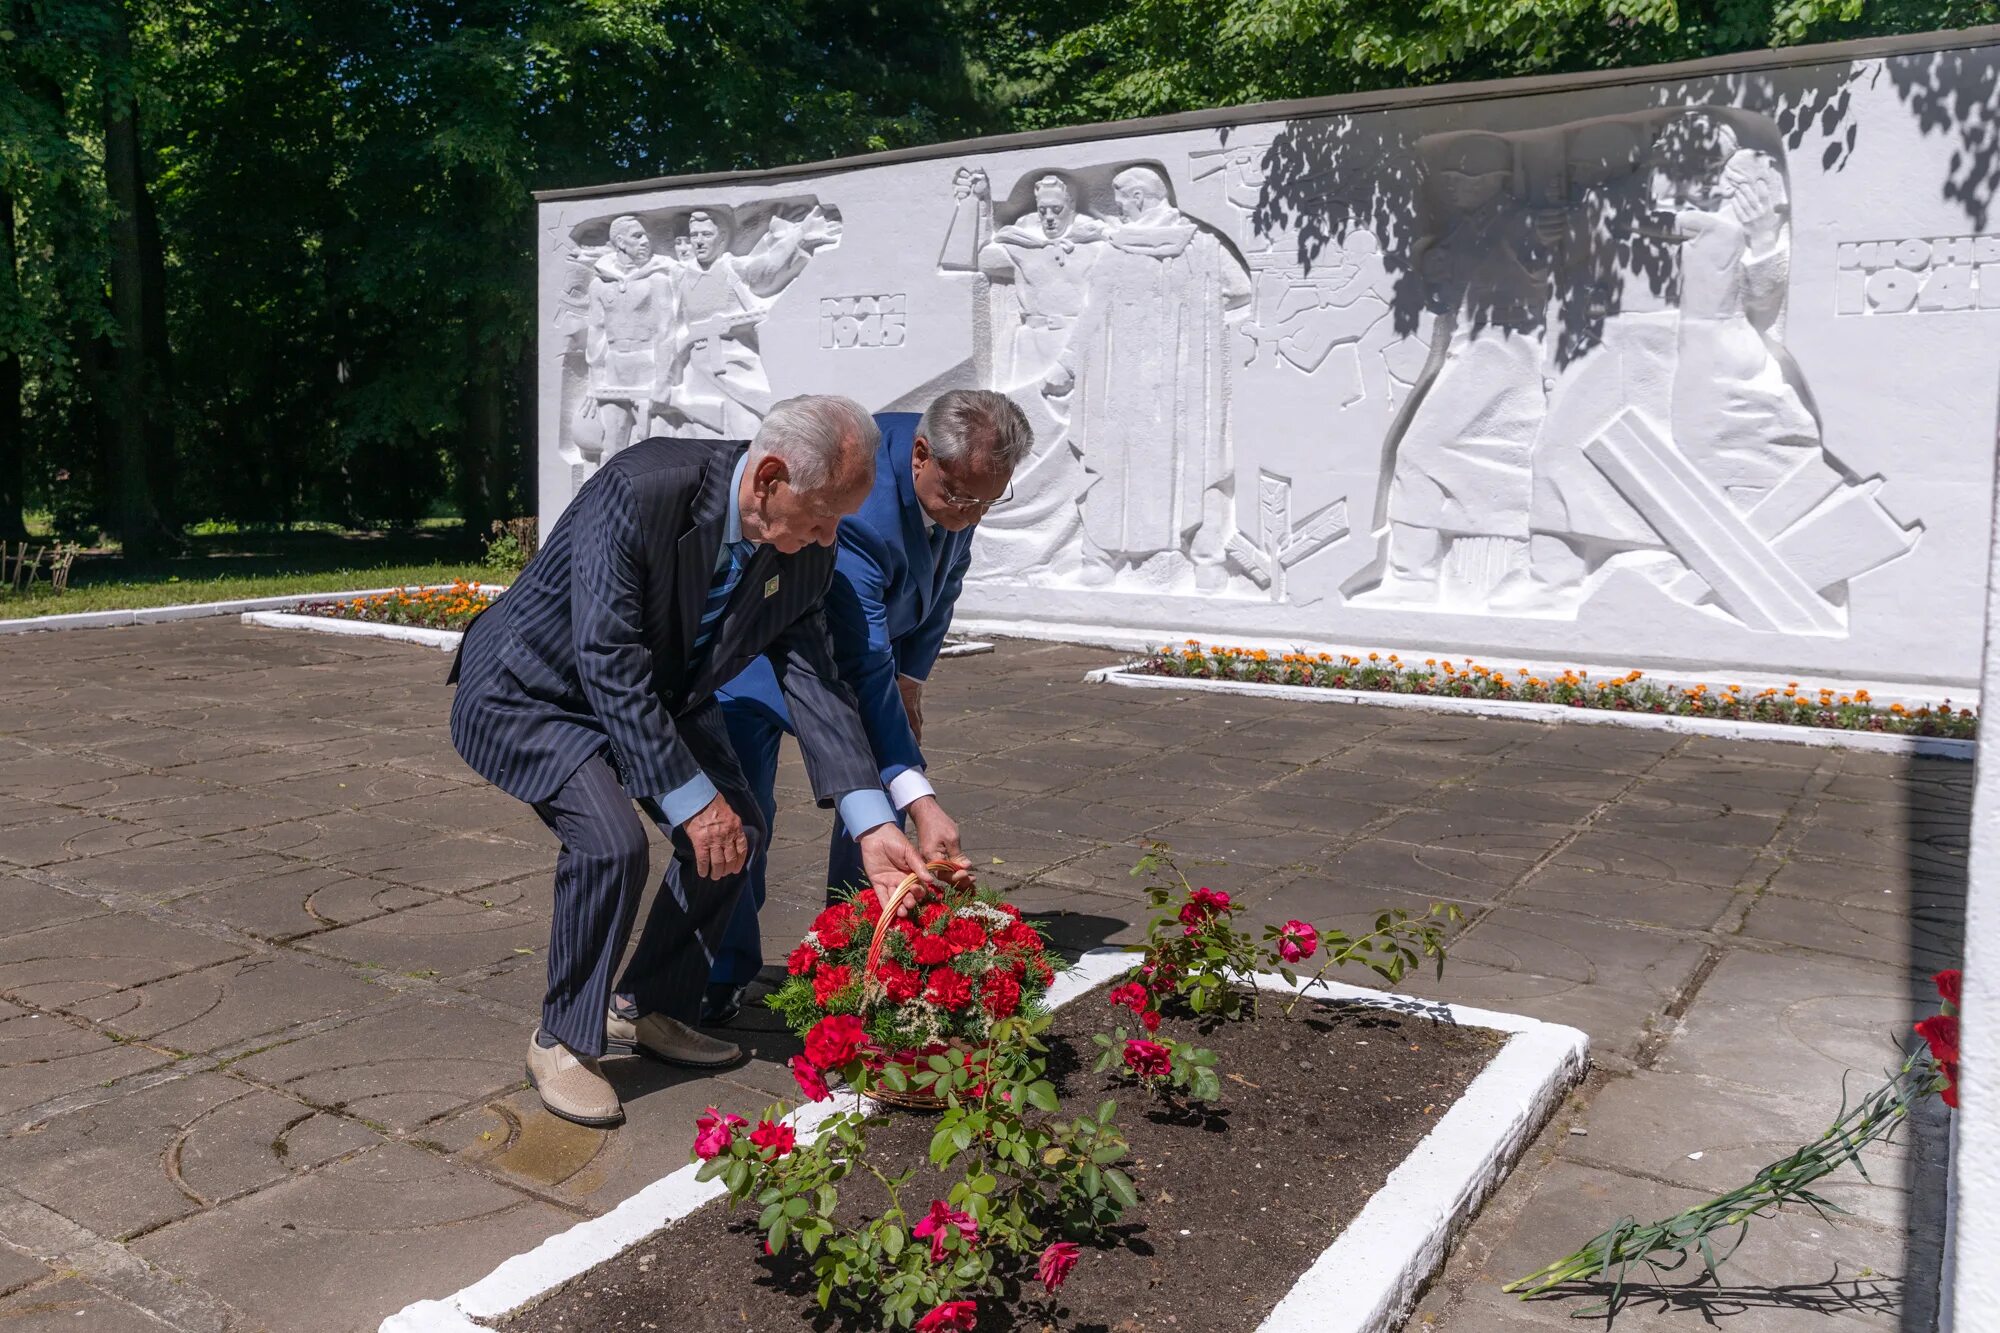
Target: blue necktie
x=726, y=578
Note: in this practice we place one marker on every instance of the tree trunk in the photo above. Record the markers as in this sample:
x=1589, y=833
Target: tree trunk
x=13, y=423
x=135, y=515
x=484, y=414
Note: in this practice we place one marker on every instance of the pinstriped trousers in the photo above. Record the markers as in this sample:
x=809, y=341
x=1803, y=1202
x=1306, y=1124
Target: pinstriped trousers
x=601, y=875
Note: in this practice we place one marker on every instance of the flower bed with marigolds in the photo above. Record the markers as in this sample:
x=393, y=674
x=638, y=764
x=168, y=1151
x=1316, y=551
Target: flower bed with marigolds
x=1631, y=692
x=450, y=608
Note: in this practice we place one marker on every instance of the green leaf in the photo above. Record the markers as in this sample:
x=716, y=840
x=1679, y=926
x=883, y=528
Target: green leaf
x=1120, y=1186
x=892, y=1240
x=1041, y=1095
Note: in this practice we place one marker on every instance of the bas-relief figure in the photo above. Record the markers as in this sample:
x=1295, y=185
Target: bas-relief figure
x=1608, y=389
x=668, y=342
x=1120, y=326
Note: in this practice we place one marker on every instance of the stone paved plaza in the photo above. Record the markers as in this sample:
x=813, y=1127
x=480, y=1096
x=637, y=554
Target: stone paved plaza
x=269, y=957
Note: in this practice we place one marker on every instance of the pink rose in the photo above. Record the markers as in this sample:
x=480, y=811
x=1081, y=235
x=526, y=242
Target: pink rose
x=1055, y=1264
x=1213, y=901
x=1297, y=941
x=714, y=1132
x=809, y=1078
x=1148, y=1059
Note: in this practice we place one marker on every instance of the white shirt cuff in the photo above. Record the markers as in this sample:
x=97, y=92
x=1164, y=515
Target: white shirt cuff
x=908, y=787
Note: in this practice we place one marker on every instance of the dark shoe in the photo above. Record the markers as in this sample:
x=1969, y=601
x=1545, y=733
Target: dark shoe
x=721, y=1003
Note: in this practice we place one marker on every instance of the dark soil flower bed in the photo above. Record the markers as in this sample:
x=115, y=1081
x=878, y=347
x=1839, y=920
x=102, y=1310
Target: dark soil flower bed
x=1239, y=1197
x=424, y=608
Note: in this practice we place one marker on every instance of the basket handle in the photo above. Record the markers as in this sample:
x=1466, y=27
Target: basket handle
x=895, y=900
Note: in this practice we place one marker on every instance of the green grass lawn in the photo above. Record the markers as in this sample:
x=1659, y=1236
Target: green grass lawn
x=220, y=567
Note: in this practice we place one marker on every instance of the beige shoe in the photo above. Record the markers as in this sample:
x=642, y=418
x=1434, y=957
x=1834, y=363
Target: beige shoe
x=571, y=1086
x=668, y=1040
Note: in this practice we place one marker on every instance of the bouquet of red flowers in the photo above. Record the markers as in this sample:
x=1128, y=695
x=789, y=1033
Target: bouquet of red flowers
x=940, y=975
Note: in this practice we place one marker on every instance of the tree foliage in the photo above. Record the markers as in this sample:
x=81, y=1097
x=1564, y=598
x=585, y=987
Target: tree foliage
x=269, y=260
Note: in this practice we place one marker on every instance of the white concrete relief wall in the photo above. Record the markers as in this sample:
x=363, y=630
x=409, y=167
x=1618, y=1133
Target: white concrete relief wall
x=1697, y=373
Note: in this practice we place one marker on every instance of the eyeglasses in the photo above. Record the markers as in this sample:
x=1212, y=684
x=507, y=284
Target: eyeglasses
x=957, y=501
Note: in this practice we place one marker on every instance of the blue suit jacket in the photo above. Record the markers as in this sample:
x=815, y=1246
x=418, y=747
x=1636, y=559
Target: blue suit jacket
x=890, y=602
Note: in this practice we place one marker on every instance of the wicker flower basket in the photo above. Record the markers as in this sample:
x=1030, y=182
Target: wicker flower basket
x=912, y=1099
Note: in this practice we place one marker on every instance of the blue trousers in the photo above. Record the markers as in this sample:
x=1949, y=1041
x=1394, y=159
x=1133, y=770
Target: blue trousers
x=753, y=710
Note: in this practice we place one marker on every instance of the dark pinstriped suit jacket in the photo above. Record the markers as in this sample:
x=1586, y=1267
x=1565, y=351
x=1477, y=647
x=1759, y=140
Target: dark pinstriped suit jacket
x=593, y=644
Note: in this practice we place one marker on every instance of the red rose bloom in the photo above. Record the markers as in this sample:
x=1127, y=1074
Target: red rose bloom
x=802, y=961
x=900, y=983
x=930, y=950
x=1213, y=901
x=1000, y=994
x=1148, y=1059
x=964, y=935
x=835, y=1040
x=948, y=990
x=951, y=1317
x=714, y=1131
x=778, y=1138
x=1055, y=1263
x=834, y=927
x=1150, y=1020
x=1948, y=985
x=1132, y=995
x=1941, y=1032
x=810, y=1080
x=830, y=982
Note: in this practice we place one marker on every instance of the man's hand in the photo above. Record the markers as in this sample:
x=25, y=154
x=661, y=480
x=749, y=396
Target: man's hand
x=888, y=859
x=912, y=691
x=717, y=835
x=937, y=837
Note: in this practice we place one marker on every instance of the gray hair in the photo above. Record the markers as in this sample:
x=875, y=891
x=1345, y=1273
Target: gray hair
x=823, y=440
x=960, y=421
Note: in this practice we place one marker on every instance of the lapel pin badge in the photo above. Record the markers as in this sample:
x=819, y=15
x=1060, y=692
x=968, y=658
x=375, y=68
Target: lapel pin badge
x=771, y=586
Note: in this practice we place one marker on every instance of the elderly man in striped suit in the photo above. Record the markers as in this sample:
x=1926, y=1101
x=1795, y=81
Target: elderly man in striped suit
x=590, y=685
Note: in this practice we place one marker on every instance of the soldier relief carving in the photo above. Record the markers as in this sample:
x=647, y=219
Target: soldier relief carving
x=661, y=322
x=1607, y=388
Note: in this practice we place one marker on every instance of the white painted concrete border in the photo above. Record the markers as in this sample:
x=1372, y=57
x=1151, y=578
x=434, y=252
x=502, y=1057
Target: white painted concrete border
x=445, y=639
x=965, y=648
x=154, y=615
x=1365, y=1282
x=1935, y=747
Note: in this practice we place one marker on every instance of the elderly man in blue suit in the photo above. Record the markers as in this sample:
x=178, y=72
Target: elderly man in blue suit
x=900, y=563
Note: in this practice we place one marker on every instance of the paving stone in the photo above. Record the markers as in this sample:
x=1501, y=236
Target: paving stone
x=171, y=869
x=41, y=774
x=442, y=938
x=344, y=1238
x=27, y=906
x=450, y=864
x=68, y=837
x=1873, y=888
x=1689, y=860
x=135, y=1162
x=43, y=1057
x=220, y=811
x=1481, y=835
x=1443, y=872
x=1306, y=811
x=300, y=901
x=1926, y=938
x=1784, y=1022
x=401, y=1068
x=328, y=837
x=1931, y=845
x=17, y=1270
x=231, y=1003
x=1237, y=843
x=1667, y=819
x=1602, y=896
x=71, y=963
x=71, y=1305
x=1535, y=805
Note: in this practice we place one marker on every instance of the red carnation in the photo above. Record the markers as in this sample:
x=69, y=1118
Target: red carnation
x=811, y=1081
x=1948, y=984
x=1941, y=1032
x=770, y=1134
x=830, y=982
x=951, y=1317
x=835, y=1040
x=928, y=917
x=930, y=950
x=1010, y=910
x=1043, y=971
x=869, y=906
x=1021, y=936
x=900, y=983
x=1148, y=1059
x=964, y=935
x=948, y=990
x=1000, y=994
x=802, y=961
x=834, y=927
